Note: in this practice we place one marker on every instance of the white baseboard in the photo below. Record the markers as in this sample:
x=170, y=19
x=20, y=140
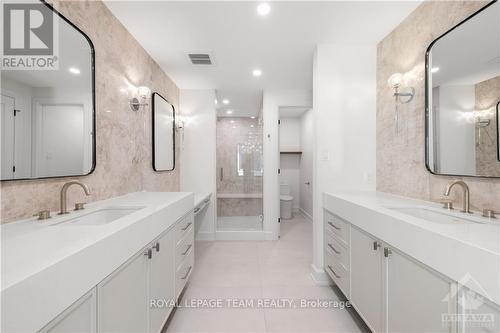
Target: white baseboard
x=306, y=215
x=205, y=236
x=241, y=235
x=320, y=277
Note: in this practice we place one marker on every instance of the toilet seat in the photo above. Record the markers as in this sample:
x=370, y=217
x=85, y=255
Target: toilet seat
x=286, y=197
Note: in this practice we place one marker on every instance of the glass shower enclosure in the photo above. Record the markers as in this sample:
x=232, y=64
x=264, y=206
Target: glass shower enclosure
x=240, y=174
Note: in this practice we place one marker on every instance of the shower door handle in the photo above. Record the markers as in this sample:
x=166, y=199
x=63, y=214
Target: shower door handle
x=221, y=177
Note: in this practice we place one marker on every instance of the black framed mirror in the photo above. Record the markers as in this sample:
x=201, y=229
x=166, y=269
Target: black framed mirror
x=462, y=96
x=163, y=134
x=48, y=110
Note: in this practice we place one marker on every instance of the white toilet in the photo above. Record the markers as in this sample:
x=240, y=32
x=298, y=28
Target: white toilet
x=286, y=202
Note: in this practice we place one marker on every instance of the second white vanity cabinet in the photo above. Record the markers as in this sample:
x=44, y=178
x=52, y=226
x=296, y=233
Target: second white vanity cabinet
x=391, y=291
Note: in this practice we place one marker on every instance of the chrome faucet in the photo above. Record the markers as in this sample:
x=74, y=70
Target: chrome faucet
x=466, y=194
x=64, y=192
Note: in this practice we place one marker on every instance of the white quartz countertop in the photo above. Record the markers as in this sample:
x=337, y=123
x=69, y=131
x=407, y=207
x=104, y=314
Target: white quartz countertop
x=200, y=197
x=465, y=252
x=46, y=266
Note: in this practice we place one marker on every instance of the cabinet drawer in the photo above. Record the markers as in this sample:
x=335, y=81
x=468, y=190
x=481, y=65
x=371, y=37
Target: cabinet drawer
x=184, y=248
x=338, y=273
x=338, y=226
x=339, y=252
x=182, y=227
x=183, y=273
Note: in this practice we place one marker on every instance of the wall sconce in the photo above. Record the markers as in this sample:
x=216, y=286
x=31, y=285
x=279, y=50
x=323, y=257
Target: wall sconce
x=141, y=100
x=402, y=94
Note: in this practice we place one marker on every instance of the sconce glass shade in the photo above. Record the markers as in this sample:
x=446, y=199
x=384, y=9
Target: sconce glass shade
x=395, y=80
x=143, y=91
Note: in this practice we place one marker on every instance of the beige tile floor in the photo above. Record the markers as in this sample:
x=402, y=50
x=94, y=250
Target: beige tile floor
x=252, y=271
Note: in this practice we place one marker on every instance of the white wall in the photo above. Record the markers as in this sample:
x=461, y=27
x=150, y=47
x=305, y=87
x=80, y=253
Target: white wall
x=306, y=163
x=272, y=100
x=290, y=134
x=198, y=153
x=344, y=110
x=457, y=134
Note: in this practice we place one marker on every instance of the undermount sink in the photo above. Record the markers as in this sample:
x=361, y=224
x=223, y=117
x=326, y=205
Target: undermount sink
x=100, y=216
x=432, y=215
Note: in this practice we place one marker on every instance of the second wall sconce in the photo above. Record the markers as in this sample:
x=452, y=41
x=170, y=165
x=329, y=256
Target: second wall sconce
x=136, y=103
x=402, y=94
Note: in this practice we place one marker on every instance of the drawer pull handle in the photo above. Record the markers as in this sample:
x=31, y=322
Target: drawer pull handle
x=333, y=225
x=157, y=247
x=196, y=210
x=187, y=273
x=187, y=226
x=207, y=200
x=148, y=253
x=187, y=250
x=334, y=249
x=331, y=269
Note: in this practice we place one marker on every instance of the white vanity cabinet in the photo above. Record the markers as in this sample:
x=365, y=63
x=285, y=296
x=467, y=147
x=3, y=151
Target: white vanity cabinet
x=139, y=296
x=367, y=279
x=479, y=315
x=417, y=297
x=391, y=291
x=123, y=297
x=80, y=317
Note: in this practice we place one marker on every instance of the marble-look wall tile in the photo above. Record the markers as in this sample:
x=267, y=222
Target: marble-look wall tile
x=123, y=137
x=487, y=97
x=239, y=207
x=401, y=159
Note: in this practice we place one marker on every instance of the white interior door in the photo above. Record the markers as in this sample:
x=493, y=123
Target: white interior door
x=60, y=140
x=7, y=135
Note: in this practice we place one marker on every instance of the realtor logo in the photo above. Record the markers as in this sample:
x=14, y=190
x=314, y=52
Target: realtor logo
x=29, y=37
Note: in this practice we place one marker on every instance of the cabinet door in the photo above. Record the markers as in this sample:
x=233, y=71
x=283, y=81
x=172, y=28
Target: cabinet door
x=366, y=278
x=417, y=297
x=479, y=314
x=123, y=298
x=162, y=281
x=79, y=317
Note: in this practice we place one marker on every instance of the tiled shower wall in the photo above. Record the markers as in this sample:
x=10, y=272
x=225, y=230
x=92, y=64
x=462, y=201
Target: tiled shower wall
x=123, y=137
x=400, y=159
x=231, y=132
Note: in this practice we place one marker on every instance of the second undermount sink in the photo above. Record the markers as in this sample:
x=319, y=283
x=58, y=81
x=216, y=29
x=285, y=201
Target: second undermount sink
x=100, y=216
x=432, y=215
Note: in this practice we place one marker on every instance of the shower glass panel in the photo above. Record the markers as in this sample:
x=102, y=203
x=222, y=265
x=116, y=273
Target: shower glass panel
x=240, y=174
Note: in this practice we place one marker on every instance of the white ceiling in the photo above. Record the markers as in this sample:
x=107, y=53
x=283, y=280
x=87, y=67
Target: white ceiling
x=280, y=44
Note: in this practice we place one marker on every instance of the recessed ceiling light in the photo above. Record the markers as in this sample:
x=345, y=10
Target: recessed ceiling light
x=252, y=117
x=434, y=69
x=229, y=112
x=263, y=9
x=232, y=121
x=225, y=101
x=256, y=72
x=251, y=125
x=74, y=70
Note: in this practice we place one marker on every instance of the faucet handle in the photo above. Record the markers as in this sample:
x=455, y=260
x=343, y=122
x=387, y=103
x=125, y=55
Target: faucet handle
x=447, y=203
x=80, y=205
x=43, y=215
x=489, y=213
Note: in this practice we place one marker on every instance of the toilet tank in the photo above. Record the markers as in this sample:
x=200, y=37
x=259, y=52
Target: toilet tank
x=284, y=189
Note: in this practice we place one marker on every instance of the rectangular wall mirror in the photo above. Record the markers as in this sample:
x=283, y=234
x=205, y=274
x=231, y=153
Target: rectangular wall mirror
x=462, y=93
x=47, y=116
x=163, y=134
